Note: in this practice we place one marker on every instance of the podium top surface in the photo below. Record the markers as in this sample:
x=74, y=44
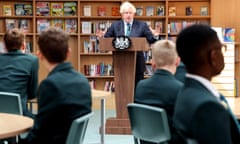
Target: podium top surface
x=138, y=44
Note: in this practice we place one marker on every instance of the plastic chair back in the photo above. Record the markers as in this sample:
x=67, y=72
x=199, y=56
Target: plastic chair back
x=148, y=123
x=77, y=130
x=10, y=103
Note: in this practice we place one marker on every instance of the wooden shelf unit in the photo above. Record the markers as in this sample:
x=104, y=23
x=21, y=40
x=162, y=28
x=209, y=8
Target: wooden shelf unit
x=78, y=57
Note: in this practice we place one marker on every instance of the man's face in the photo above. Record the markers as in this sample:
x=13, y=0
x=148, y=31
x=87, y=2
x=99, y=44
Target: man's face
x=128, y=15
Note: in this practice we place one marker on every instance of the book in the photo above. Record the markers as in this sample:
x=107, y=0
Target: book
x=115, y=11
x=7, y=10
x=101, y=11
x=149, y=11
x=57, y=8
x=23, y=25
x=204, y=10
x=149, y=70
x=86, y=47
x=172, y=11
x=19, y=9
x=28, y=48
x=70, y=8
x=11, y=23
x=42, y=9
x=27, y=9
x=71, y=25
x=149, y=23
x=139, y=11
x=159, y=26
x=188, y=11
x=42, y=24
x=160, y=10
x=2, y=47
x=58, y=23
x=86, y=27
x=87, y=10
x=229, y=34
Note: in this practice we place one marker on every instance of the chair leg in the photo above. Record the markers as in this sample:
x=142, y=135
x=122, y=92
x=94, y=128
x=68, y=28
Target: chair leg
x=136, y=140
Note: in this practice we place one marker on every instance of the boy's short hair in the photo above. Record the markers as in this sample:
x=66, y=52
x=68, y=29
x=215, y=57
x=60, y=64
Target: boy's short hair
x=13, y=39
x=53, y=44
x=164, y=53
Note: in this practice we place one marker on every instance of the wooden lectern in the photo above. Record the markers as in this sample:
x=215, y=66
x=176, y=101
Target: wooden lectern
x=124, y=62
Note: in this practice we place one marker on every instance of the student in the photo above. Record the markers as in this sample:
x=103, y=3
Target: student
x=200, y=114
x=18, y=71
x=136, y=29
x=63, y=96
x=162, y=87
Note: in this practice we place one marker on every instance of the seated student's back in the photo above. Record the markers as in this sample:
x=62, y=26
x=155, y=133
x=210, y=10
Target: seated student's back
x=18, y=71
x=162, y=87
x=64, y=95
x=200, y=114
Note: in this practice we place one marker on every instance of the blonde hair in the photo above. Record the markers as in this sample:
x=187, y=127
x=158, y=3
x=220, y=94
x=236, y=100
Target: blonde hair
x=127, y=5
x=164, y=53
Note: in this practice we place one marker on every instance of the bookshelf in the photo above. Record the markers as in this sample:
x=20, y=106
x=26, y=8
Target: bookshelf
x=155, y=12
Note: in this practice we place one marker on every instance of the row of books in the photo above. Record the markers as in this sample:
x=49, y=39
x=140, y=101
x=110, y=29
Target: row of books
x=19, y=9
x=69, y=25
x=89, y=27
x=150, y=10
x=177, y=26
x=100, y=69
x=56, y=8
x=42, y=9
x=109, y=86
x=101, y=10
x=203, y=11
x=22, y=24
x=91, y=45
x=28, y=47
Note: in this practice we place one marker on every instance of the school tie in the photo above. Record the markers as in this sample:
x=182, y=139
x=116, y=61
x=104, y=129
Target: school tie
x=128, y=29
x=223, y=99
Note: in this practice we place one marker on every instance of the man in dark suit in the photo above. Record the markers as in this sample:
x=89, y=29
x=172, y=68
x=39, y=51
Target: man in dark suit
x=63, y=96
x=128, y=26
x=18, y=71
x=199, y=114
x=161, y=88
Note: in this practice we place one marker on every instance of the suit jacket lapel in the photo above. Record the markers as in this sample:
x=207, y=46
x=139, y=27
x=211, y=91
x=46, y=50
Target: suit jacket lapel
x=134, y=28
x=120, y=29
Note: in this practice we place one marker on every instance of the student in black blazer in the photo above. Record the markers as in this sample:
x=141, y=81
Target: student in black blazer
x=162, y=87
x=63, y=96
x=137, y=29
x=199, y=114
x=18, y=71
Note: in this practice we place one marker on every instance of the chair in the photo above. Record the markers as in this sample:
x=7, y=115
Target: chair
x=148, y=123
x=77, y=130
x=10, y=103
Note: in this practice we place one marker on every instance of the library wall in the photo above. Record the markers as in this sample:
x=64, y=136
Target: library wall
x=225, y=14
x=79, y=58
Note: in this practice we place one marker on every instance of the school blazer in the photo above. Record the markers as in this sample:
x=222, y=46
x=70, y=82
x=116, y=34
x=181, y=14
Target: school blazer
x=201, y=116
x=63, y=96
x=19, y=74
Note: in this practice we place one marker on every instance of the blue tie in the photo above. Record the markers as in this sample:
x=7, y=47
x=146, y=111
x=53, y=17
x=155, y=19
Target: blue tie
x=222, y=98
x=128, y=29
